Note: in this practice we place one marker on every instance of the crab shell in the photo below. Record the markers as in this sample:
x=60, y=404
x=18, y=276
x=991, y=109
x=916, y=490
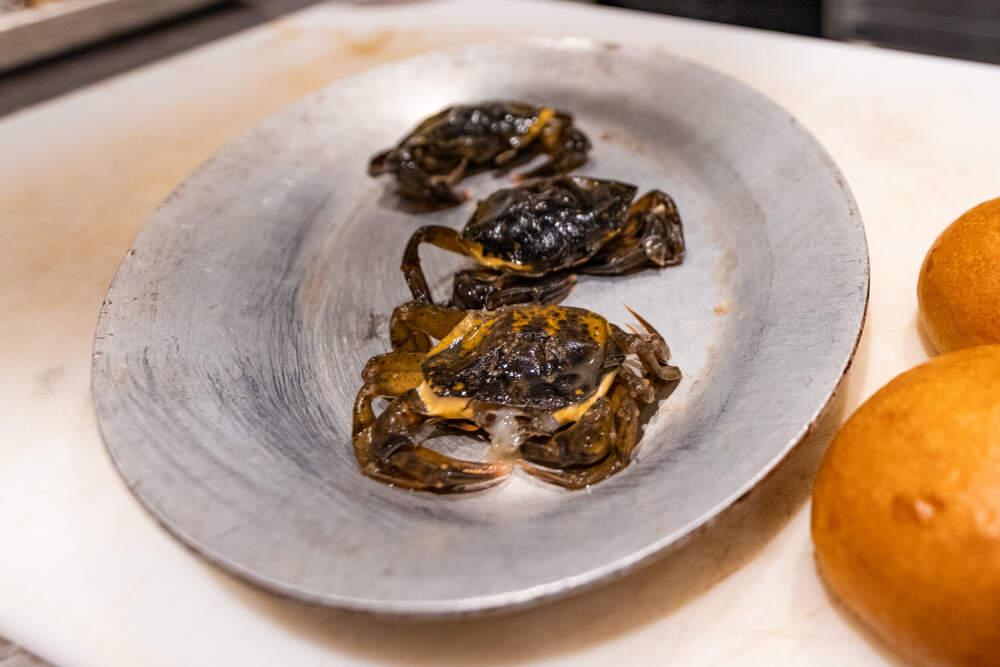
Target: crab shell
x=536, y=360
x=480, y=132
x=547, y=225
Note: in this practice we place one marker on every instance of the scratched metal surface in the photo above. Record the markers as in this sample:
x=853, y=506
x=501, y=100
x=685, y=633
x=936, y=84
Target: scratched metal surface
x=229, y=347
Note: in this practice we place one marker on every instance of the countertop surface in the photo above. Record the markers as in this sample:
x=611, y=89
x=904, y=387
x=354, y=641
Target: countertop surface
x=88, y=578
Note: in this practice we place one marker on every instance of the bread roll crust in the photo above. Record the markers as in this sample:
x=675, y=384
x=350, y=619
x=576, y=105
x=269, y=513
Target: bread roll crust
x=906, y=510
x=959, y=285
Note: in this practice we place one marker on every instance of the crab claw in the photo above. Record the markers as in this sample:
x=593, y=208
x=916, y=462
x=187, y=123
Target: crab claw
x=660, y=345
x=393, y=454
x=379, y=164
x=415, y=467
x=653, y=351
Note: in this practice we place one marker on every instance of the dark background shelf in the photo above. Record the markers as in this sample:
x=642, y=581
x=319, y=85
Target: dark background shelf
x=967, y=29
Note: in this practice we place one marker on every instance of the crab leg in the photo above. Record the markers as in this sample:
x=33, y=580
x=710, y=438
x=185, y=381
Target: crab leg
x=394, y=372
x=412, y=323
x=361, y=425
x=386, y=446
x=379, y=164
x=651, y=349
x=442, y=184
x=396, y=455
x=567, y=149
x=614, y=426
x=584, y=443
x=485, y=288
x=638, y=387
x=652, y=236
x=443, y=237
x=385, y=375
x=626, y=422
x=409, y=164
x=511, y=159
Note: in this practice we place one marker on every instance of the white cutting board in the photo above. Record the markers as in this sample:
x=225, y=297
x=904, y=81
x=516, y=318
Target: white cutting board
x=88, y=578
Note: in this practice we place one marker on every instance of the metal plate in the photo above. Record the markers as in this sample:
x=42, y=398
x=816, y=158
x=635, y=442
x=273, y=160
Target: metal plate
x=229, y=348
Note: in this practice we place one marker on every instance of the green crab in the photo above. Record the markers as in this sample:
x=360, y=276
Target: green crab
x=530, y=241
x=461, y=140
x=552, y=388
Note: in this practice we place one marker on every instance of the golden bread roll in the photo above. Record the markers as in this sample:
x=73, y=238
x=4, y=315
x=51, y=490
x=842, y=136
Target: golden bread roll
x=906, y=510
x=959, y=285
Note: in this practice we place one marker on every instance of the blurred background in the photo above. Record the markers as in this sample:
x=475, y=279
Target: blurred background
x=967, y=29
x=48, y=47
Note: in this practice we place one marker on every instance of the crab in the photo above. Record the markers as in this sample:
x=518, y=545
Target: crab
x=531, y=240
x=555, y=390
x=461, y=140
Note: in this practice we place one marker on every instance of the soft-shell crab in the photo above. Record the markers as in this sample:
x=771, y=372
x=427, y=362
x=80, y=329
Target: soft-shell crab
x=549, y=386
x=531, y=239
x=461, y=140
